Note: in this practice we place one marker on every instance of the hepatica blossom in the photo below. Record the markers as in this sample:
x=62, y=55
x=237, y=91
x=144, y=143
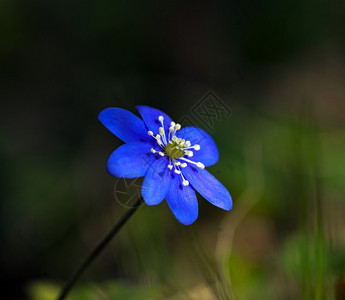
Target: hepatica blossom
x=172, y=159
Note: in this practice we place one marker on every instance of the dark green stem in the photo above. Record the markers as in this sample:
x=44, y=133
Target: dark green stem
x=97, y=251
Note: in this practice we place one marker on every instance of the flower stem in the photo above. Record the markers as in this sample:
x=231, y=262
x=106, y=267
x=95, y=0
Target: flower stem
x=97, y=251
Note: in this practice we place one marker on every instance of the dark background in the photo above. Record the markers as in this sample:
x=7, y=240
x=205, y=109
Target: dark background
x=278, y=65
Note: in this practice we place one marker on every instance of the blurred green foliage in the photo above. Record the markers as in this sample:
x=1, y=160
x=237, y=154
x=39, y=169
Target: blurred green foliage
x=108, y=290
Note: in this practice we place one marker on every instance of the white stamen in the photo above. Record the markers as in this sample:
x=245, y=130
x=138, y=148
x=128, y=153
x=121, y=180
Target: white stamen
x=171, y=129
x=189, y=153
x=161, y=130
x=170, y=167
x=176, y=168
x=200, y=165
x=161, y=154
x=153, y=150
x=188, y=143
x=196, y=147
x=183, y=165
x=184, y=181
x=162, y=133
x=158, y=139
x=176, y=127
x=177, y=163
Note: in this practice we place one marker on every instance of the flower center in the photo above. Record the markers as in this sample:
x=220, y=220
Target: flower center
x=176, y=149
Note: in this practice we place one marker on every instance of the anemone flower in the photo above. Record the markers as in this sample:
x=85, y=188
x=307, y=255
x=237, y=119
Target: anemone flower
x=172, y=159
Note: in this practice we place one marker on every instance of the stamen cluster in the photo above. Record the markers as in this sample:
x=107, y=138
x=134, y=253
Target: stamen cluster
x=176, y=149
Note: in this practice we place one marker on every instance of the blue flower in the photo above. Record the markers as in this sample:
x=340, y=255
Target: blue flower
x=172, y=159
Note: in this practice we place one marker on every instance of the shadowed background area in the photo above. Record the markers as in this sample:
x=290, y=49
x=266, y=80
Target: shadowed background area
x=279, y=66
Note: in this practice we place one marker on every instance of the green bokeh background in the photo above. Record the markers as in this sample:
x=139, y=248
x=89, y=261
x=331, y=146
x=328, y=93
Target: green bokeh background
x=278, y=65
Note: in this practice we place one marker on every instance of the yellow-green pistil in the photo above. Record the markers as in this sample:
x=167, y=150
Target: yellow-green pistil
x=174, y=151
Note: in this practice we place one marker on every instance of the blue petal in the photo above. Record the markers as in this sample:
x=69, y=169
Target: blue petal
x=125, y=125
x=182, y=200
x=157, y=182
x=208, y=153
x=130, y=160
x=150, y=116
x=208, y=186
